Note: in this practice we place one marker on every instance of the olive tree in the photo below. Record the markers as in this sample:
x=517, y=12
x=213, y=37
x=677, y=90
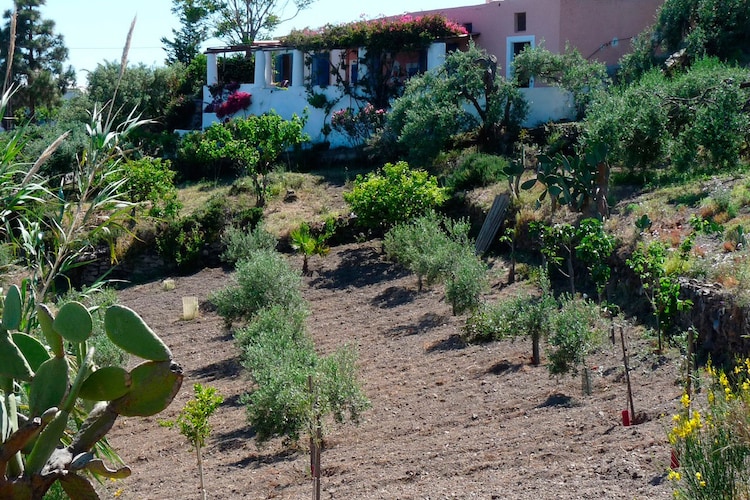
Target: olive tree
x=465, y=95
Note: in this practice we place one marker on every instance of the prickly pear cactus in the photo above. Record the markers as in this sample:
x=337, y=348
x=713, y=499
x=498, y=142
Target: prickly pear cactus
x=38, y=448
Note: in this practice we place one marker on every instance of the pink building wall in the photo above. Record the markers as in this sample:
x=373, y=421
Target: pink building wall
x=588, y=25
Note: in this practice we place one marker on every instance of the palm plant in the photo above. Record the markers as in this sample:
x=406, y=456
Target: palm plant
x=306, y=243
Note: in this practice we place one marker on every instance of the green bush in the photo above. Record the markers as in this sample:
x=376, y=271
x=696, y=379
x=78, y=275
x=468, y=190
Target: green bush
x=242, y=243
x=282, y=404
x=477, y=170
x=151, y=180
x=394, y=194
x=436, y=249
x=694, y=120
x=501, y=320
x=520, y=316
x=275, y=320
x=182, y=241
x=262, y=280
x=573, y=332
x=247, y=146
x=467, y=98
x=421, y=246
x=466, y=282
x=428, y=246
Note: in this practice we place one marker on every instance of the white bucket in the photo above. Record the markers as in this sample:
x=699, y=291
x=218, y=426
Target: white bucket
x=189, y=307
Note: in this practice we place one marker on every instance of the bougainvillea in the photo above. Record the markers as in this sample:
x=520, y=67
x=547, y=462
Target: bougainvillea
x=236, y=101
x=386, y=34
x=360, y=125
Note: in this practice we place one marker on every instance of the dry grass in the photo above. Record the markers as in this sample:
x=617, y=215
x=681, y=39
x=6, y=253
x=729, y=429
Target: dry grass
x=302, y=198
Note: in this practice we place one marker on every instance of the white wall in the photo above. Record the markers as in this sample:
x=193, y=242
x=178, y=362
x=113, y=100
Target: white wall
x=548, y=104
x=545, y=104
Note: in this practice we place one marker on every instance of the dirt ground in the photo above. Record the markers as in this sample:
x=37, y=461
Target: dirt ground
x=447, y=420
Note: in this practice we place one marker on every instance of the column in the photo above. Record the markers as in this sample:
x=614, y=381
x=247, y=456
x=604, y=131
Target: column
x=435, y=55
x=298, y=68
x=259, y=80
x=269, y=69
x=212, y=71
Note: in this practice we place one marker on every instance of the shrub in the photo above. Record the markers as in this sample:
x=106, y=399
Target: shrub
x=151, y=180
x=394, y=194
x=497, y=321
x=284, y=404
x=421, y=246
x=573, y=332
x=242, y=243
x=476, y=170
x=262, y=280
x=713, y=444
x=275, y=320
x=466, y=281
x=436, y=249
x=279, y=366
x=182, y=241
x=520, y=316
x=249, y=146
x=695, y=119
x=466, y=97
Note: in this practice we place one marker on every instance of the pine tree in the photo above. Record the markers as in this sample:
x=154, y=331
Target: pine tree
x=37, y=65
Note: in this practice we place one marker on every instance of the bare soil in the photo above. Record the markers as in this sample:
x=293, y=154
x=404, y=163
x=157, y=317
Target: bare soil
x=448, y=420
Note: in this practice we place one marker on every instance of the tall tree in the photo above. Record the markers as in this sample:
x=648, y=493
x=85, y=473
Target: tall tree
x=37, y=63
x=695, y=28
x=241, y=22
x=194, y=19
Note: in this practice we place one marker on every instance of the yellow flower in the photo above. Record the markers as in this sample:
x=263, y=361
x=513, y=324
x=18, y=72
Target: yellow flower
x=711, y=397
x=702, y=484
x=685, y=400
x=698, y=476
x=674, y=475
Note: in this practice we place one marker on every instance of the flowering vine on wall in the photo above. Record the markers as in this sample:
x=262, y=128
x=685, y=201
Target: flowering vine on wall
x=227, y=100
x=387, y=34
x=358, y=126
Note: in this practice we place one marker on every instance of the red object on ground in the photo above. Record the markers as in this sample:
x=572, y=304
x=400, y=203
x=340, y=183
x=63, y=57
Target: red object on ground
x=625, y=418
x=674, y=462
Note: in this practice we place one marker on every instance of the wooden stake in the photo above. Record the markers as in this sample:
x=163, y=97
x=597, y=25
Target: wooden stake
x=690, y=354
x=316, y=438
x=627, y=376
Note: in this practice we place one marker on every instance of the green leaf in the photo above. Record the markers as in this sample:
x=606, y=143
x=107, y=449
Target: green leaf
x=74, y=322
x=12, y=308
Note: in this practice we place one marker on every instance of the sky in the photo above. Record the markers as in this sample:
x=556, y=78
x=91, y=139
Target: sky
x=95, y=30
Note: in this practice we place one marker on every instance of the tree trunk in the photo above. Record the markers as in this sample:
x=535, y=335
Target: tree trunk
x=200, y=471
